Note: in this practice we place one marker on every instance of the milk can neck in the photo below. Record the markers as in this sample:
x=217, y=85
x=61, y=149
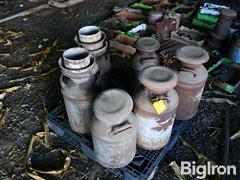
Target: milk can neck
x=153, y=93
x=145, y=53
x=190, y=66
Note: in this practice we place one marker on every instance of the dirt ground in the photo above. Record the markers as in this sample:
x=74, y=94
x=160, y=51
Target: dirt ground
x=26, y=104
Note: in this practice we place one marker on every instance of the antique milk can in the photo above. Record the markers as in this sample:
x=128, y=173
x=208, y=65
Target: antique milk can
x=77, y=85
x=218, y=37
x=145, y=54
x=192, y=76
x=114, y=128
x=97, y=48
x=155, y=106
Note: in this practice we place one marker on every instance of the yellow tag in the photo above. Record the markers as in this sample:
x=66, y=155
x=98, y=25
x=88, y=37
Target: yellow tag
x=159, y=106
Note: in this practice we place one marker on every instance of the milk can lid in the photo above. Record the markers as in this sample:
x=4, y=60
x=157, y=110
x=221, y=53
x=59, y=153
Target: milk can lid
x=112, y=106
x=228, y=13
x=158, y=78
x=192, y=55
x=147, y=44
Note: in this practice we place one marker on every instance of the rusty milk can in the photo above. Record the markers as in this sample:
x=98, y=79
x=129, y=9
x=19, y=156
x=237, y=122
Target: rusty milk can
x=77, y=85
x=114, y=128
x=219, y=36
x=98, y=49
x=145, y=54
x=154, y=129
x=192, y=76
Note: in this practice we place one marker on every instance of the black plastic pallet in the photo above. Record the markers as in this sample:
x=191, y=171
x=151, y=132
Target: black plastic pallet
x=143, y=165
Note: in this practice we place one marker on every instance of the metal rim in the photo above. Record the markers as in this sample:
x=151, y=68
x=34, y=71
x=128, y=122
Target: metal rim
x=158, y=78
x=76, y=58
x=90, y=70
x=112, y=105
x=147, y=44
x=192, y=54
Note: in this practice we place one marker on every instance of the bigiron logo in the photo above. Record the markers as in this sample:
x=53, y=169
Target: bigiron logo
x=201, y=171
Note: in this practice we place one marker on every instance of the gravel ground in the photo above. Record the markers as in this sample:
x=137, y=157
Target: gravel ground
x=26, y=105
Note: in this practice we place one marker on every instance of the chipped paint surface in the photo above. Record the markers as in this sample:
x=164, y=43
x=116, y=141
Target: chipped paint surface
x=151, y=138
x=189, y=100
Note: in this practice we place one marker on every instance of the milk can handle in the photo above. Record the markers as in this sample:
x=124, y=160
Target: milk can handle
x=62, y=82
x=123, y=127
x=188, y=70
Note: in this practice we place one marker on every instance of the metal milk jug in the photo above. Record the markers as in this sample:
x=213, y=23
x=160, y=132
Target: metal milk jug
x=154, y=129
x=114, y=128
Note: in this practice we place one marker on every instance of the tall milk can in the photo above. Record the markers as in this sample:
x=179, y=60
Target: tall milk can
x=192, y=76
x=114, y=128
x=98, y=49
x=155, y=105
x=78, y=87
x=145, y=55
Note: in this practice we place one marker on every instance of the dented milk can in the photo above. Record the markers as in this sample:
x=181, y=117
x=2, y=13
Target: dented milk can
x=145, y=54
x=77, y=85
x=97, y=48
x=155, y=106
x=192, y=76
x=114, y=128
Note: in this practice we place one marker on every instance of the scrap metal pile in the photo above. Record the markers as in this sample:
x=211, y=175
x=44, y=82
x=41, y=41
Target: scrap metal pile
x=167, y=76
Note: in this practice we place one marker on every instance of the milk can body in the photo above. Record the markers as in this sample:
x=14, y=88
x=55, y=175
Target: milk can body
x=78, y=90
x=192, y=76
x=154, y=130
x=114, y=129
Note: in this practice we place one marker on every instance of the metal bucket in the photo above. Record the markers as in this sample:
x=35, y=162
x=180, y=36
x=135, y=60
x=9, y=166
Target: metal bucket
x=192, y=76
x=154, y=130
x=114, y=129
x=78, y=90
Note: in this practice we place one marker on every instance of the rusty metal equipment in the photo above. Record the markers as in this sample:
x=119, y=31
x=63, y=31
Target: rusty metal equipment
x=165, y=27
x=155, y=16
x=221, y=31
x=145, y=54
x=234, y=54
x=192, y=76
x=97, y=47
x=114, y=128
x=78, y=87
x=154, y=130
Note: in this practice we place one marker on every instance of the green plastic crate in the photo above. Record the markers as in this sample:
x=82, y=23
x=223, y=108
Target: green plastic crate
x=208, y=18
x=203, y=24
